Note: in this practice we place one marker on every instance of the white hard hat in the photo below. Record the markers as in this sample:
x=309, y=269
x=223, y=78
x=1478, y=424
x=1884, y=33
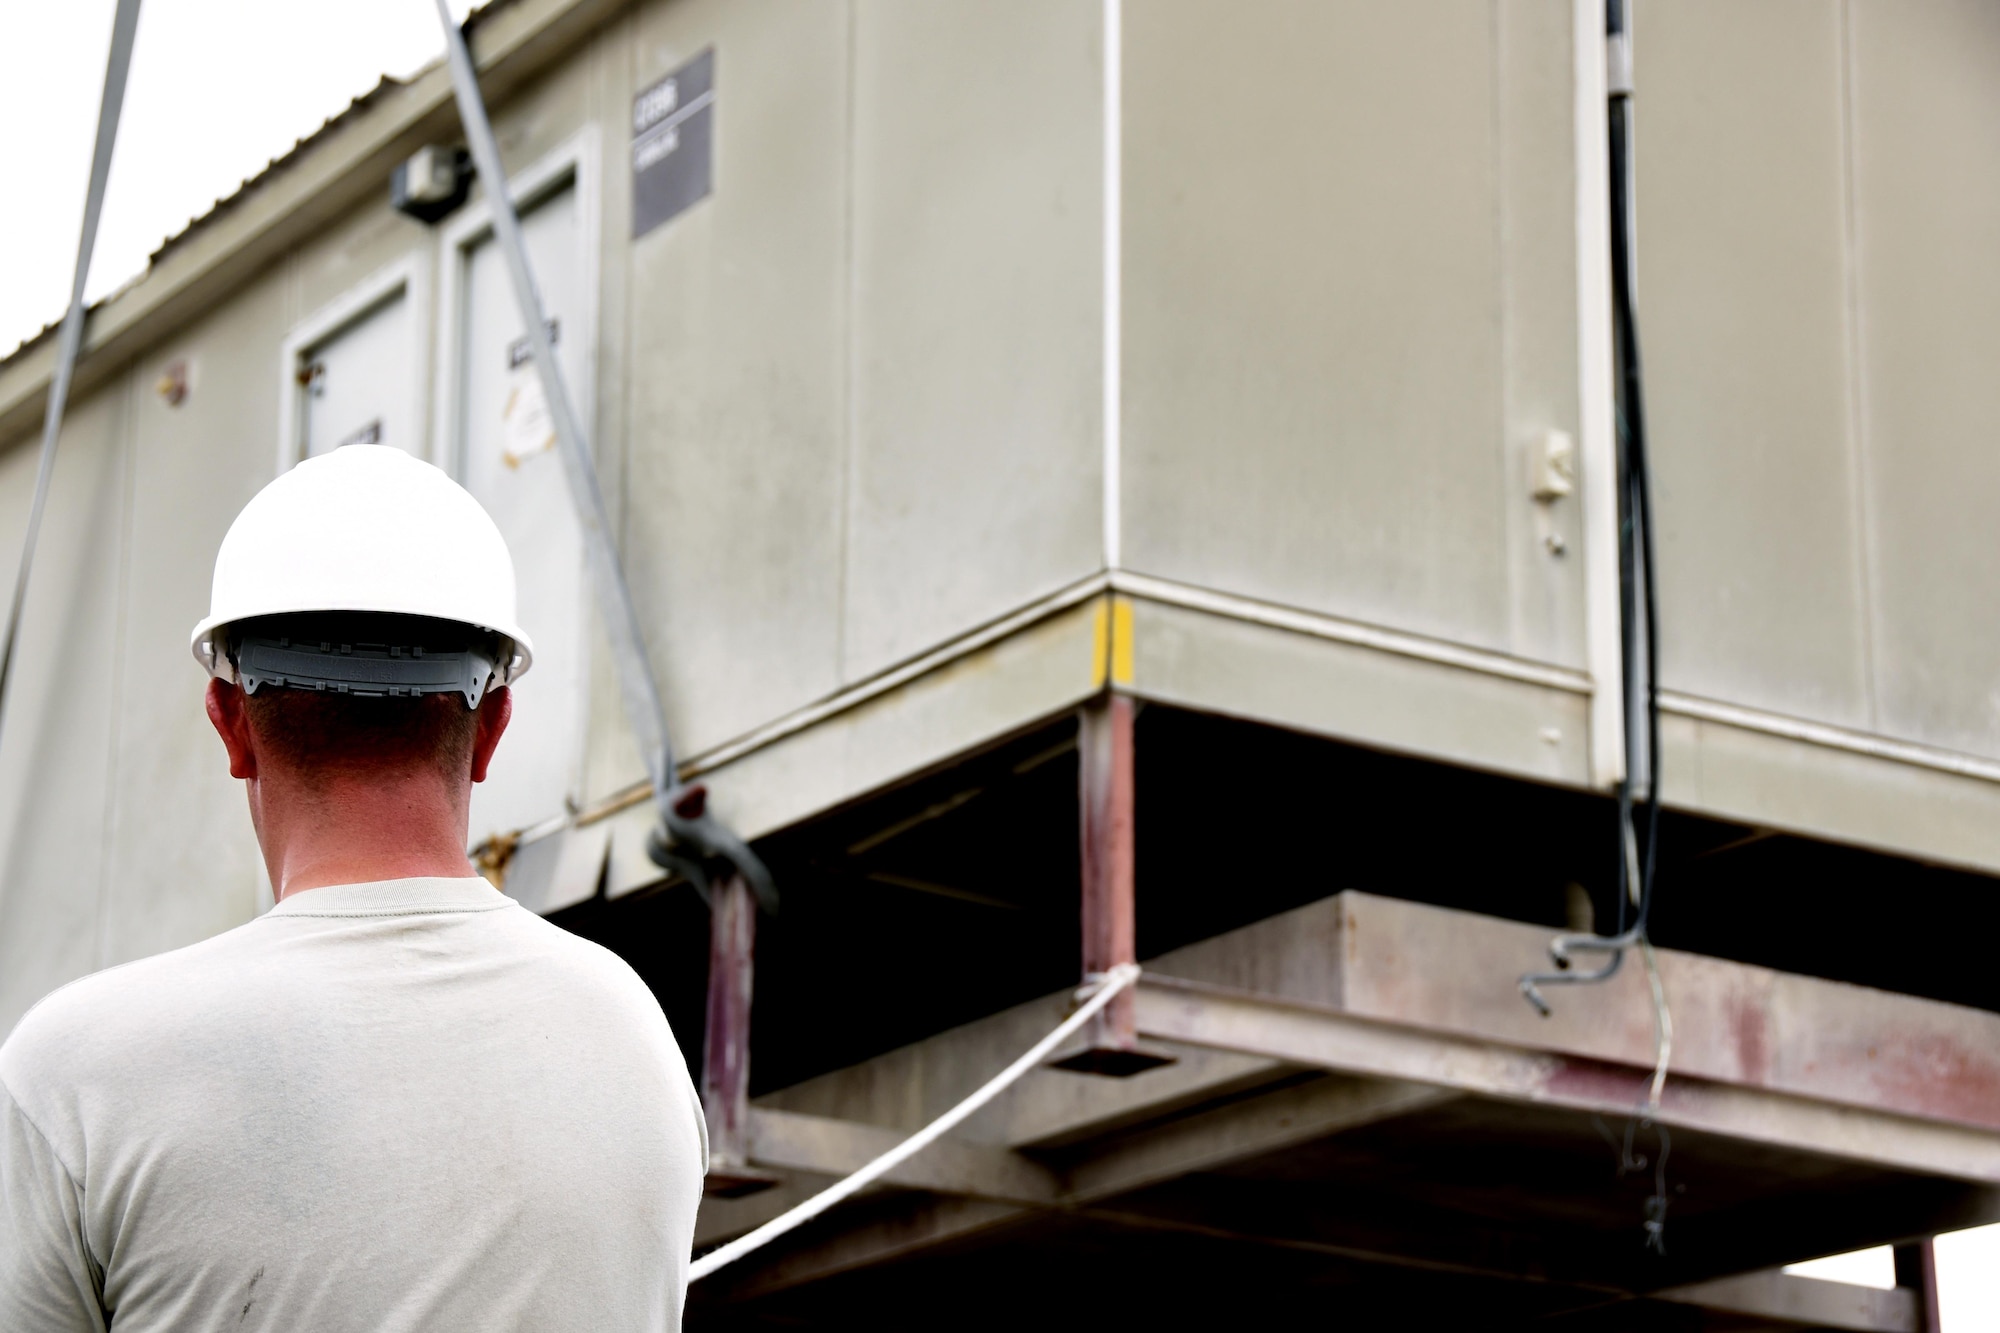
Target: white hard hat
x=364, y=528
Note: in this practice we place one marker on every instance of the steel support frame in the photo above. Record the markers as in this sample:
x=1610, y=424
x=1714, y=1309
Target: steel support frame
x=725, y=1066
x=1916, y=1271
x=1106, y=793
x=1315, y=1037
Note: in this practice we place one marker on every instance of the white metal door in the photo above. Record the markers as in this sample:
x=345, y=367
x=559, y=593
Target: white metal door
x=506, y=457
x=357, y=384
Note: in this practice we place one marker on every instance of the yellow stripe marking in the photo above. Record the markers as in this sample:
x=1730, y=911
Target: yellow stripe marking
x=1121, y=640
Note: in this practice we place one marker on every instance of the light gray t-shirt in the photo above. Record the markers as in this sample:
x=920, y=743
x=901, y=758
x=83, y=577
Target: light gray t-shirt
x=403, y=1105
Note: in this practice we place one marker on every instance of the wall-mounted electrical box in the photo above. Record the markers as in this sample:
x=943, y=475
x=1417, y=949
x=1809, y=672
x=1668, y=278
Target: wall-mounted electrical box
x=431, y=183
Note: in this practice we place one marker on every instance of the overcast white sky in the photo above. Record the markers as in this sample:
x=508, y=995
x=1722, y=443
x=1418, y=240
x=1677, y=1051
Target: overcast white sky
x=219, y=88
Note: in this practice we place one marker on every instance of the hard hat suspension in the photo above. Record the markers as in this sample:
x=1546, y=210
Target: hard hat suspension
x=386, y=671
x=380, y=656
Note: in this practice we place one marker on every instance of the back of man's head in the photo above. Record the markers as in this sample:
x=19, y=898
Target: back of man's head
x=324, y=736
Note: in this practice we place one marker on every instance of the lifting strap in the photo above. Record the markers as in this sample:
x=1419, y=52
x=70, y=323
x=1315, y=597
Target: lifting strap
x=69, y=342
x=689, y=841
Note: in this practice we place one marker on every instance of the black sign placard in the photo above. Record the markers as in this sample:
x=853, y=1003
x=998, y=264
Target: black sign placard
x=673, y=144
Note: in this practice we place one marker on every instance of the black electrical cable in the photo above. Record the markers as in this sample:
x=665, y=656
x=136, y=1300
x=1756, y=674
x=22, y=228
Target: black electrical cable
x=1637, y=859
x=1636, y=553
x=1639, y=644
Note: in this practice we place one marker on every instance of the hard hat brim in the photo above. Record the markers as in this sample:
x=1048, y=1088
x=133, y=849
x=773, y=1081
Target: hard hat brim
x=206, y=646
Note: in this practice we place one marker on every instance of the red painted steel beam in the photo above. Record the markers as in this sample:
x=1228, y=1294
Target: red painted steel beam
x=1106, y=791
x=725, y=1068
x=1321, y=1037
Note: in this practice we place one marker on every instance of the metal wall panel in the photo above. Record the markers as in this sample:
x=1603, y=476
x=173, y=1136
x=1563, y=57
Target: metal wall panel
x=1745, y=328
x=1538, y=323
x=1320, y=211
x=369, y=255
x=353, y=248
x=1926, y=115
x=975, y=474
x=505, y=455
x=183, y=856
x=847, y=407
x=358, y=386
x=735, y=390
x=57, y=751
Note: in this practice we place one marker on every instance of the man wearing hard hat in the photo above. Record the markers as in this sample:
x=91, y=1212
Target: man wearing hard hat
x=397, y=1100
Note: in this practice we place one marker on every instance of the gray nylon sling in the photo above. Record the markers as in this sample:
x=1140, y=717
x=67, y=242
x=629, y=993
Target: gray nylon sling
x=690, y=840
x=124, y=29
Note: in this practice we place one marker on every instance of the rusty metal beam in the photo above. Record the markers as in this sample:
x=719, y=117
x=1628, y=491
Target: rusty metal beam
x=1767, y=1299
x=1008, y=1186
x=1202, y=1141
x=725, y=1066
x=1454, y=971
x=789, y=1141
x=1209, y=1140
x=1323, y=989
x=1323, y=1037
x=1106, y=790
x=1011, y=1188
x=907, y=1227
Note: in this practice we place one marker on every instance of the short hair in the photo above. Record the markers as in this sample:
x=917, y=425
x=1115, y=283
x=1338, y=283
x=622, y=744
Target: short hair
x=327, y=733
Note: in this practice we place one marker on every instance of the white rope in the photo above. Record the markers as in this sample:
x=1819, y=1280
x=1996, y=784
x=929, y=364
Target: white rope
x=1101, y=994
x=1663, y=1028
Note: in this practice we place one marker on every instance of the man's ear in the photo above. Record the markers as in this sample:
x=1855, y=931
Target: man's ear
x=494, y=711
x=231, y=720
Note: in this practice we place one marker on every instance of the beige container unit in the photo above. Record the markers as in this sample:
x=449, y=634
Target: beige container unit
x=849, y=409
x=910, y=451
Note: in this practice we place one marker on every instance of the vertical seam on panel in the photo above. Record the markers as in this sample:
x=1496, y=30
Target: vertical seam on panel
x=627, y=408
x=850, y=354
x=128, y=453
x=615, y=354
x=1857, y=400
x=1503, y=333
x=1113, y=261
x=610, y=45
x=1596, y=429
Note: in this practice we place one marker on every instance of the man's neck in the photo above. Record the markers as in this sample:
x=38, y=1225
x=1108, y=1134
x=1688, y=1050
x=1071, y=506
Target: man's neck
x=353, y=831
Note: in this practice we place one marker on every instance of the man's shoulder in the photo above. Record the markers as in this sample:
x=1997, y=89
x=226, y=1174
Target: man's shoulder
x=585, y=963
x=128, y=992
x=106, y=1015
